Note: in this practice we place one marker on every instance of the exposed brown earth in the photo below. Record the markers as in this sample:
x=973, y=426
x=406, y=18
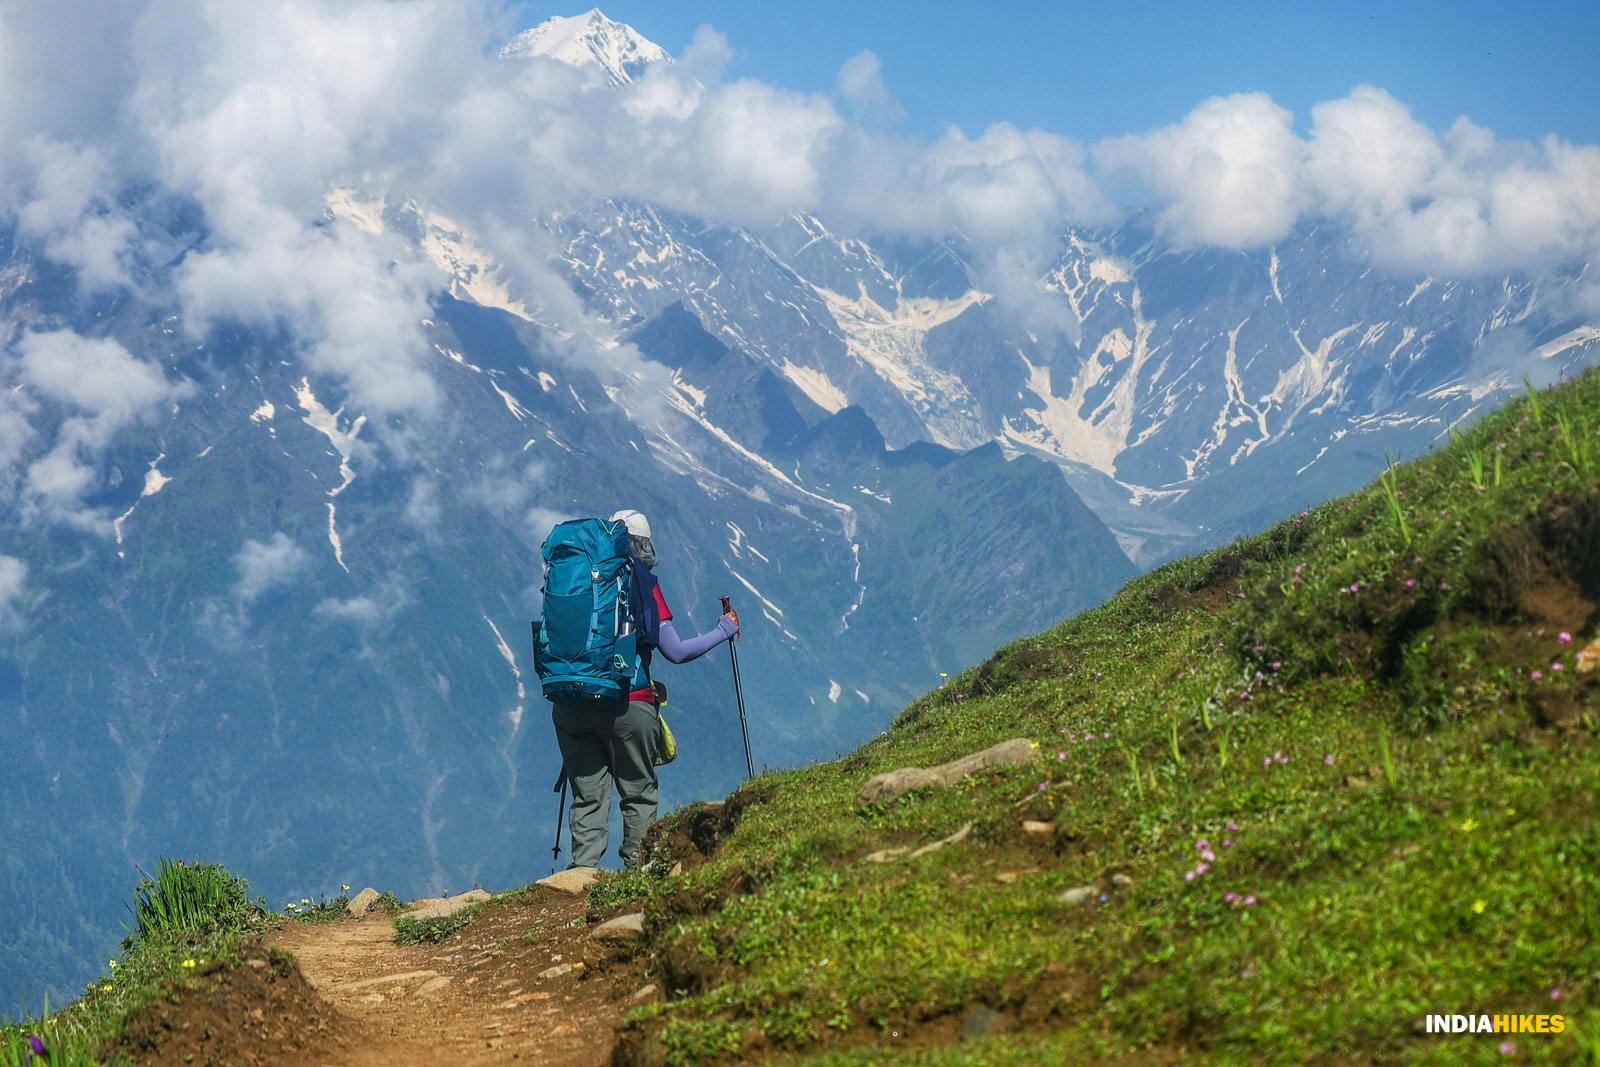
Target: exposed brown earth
x=524, y=983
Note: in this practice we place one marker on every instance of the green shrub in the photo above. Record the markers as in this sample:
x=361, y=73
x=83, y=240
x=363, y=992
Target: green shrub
x=192, y=898
x=409, y=931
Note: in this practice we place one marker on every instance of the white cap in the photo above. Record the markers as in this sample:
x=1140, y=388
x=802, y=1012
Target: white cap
x=637, y=524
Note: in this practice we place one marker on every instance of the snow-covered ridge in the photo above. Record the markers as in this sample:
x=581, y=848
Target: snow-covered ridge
x=589, y=40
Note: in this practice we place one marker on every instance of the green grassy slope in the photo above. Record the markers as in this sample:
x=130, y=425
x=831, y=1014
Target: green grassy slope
x=1368, y=715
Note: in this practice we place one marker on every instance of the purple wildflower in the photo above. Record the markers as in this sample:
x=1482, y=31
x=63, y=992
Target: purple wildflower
x=1232, y=825
x=1556, y=993
x=1201, y=845
x=1227, y=842
x=1088, y=735
x=1328, y=759
x=1208, y=856
x=1249, y=901
x=1411, y=583
x=1564, y=638
x=1230, y=896
x=1536, y=675
x=1188, y=876
x=1201, y=868
x=1507, y=1047
x=1556, y=666
x=1277, y=664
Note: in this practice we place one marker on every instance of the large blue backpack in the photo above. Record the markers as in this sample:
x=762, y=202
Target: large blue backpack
x=586, y=645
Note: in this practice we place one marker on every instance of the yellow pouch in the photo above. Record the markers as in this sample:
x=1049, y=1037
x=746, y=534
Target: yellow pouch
x=666, y=744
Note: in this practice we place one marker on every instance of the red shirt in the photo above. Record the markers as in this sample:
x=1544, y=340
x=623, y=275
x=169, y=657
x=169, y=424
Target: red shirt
x=663, y=614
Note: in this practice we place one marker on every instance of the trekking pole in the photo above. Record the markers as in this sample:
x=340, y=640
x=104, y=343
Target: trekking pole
x=738, y=692
x=561, y=811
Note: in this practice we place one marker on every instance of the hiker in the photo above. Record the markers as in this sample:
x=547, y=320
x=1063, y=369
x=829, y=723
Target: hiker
x=615, y=739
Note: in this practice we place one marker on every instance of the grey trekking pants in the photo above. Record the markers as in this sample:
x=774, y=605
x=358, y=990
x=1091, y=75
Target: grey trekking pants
x=602, y=741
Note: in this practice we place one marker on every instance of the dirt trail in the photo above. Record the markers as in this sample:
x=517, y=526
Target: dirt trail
x=518, y=985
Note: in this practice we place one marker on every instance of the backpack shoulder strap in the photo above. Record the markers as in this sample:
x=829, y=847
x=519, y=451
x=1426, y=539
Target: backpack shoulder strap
x=642, y=593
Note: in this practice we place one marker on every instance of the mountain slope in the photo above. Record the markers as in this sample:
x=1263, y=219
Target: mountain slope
x=1290, y=796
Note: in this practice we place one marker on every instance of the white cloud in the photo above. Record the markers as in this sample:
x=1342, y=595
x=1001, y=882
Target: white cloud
x=1367, y=156
x=260, y=566
x=422, y=504
x=106, y=388
x=16, y=432
x=96, y=375
x=263, y=565
x=66, y=201
x=13, y=576
x=861, y=83
x=1234, y=174
x=372, y=609
x=1230, y=174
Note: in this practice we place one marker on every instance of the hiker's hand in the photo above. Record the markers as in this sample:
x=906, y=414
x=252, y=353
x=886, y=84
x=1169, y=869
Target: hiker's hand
x=732, y=615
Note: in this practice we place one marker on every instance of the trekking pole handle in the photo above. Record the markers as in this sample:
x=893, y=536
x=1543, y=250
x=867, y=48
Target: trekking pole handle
x=727, y=609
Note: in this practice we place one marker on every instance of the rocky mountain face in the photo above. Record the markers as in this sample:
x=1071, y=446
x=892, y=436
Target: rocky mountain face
x=1183, y=383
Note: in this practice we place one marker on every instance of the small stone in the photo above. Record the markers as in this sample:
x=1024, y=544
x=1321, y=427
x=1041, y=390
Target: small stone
x=1121, y=880
x=361, y=902
x=1034, y=826
x=404, y=976
x=1007, y=877
x=561, y=969
x=448, y=906
x=644, y=992
x=885, y=855
x=256, y=965
x=1589, y=657
x=526, y=998
x=574, y=881
x=1077, y=895
x=433, y=985
x=677, y=869
x=622, y=928
x=980, y=1022
x=887, y=786
x=934, y=846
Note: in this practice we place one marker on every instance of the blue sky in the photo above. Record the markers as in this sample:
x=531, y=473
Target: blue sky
x=1094, y=70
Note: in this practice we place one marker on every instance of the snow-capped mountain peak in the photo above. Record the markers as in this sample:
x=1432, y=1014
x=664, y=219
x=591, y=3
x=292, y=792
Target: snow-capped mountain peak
x=589, y=40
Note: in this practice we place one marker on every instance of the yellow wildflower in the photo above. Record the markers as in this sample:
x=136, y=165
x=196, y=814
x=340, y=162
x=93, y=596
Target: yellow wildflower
x=113, y=964
x=188, y=964
x=1478, y=906
x=1469, y=825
